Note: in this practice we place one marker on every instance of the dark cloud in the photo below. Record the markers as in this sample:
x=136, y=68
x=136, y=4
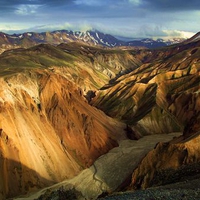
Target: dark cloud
x=12, y=5
x=98, y=3
x=158, y=5
x=171, y=5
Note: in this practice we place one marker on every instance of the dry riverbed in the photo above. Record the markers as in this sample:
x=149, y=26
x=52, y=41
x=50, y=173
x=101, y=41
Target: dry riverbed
x=109, y=171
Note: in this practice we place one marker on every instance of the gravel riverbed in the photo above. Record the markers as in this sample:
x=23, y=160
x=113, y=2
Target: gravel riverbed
x=154, y=194
x=189, y=189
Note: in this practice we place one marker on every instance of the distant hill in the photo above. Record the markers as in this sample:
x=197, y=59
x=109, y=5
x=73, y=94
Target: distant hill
x=93, y=37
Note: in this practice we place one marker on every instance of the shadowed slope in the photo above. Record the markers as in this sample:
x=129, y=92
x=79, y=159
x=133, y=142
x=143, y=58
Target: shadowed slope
x=157, y=97
x=17, y=178
x=173, y=105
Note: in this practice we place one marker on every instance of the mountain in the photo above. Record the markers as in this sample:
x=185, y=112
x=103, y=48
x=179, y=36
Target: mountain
x=94, y=37
x=95, y=120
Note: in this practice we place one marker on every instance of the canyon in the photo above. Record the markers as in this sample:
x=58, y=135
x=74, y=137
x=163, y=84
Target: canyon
x=95, y=120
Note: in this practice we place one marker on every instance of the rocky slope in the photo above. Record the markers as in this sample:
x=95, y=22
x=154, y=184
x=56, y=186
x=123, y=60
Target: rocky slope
x=177, y=162
x=48, y=132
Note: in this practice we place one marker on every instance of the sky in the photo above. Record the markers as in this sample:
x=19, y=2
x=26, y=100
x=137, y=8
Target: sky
x=127, y=18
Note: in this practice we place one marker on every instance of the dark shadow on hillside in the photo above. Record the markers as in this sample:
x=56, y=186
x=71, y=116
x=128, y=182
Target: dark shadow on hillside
x=114, y=81
x=17, y=179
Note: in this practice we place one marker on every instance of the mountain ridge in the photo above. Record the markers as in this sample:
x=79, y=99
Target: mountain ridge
x=93, y=37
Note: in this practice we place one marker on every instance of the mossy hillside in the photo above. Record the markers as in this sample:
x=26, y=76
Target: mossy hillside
x=73, y=59
x=34, y=58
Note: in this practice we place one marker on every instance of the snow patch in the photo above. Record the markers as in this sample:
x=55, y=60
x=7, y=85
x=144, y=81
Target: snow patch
x=97, y=35
x=14, y=37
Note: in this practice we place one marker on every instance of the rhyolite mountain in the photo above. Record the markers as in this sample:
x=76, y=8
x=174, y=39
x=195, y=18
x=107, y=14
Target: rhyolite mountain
x=97, y=120
x=92, y=37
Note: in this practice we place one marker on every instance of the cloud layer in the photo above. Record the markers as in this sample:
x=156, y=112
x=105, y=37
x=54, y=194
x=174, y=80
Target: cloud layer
x=131, y=18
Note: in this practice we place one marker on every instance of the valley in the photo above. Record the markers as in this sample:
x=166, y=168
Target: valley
x=88, y=120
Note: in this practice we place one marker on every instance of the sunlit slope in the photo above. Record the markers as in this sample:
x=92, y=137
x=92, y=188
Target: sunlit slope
x=48, y=131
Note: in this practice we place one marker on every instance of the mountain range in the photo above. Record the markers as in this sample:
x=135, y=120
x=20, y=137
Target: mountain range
x=94, y=37
x=81, y=121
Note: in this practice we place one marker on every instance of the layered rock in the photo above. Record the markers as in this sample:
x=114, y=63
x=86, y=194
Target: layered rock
x=161, y=96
